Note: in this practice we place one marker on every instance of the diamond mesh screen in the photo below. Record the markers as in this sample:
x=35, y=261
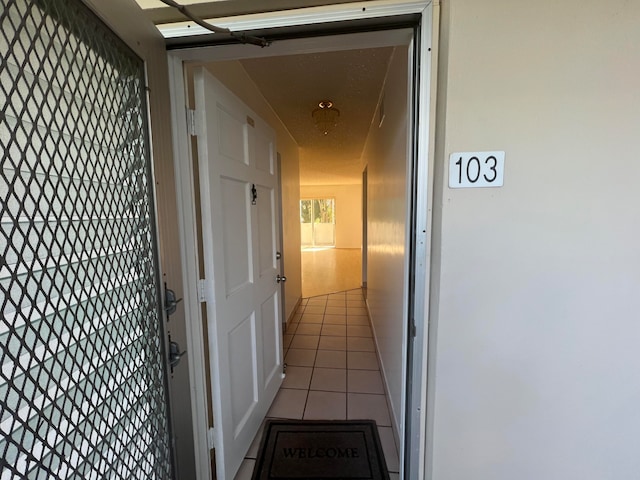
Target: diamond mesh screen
x=82, y=386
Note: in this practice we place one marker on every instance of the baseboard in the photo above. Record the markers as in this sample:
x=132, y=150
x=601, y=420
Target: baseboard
x=394, y=425
x=293, y=314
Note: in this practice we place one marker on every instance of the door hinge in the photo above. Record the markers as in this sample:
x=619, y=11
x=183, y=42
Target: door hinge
x=192, y=122
x=170, y=301
x=414, y=330
x=211, y=438
x=174, y=354
x=202, y=290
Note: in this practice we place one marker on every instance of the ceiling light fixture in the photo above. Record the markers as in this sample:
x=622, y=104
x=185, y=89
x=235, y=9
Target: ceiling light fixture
x=325, y=116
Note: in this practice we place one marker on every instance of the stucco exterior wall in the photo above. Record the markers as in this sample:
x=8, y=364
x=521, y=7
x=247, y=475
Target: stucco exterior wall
x=536, y=285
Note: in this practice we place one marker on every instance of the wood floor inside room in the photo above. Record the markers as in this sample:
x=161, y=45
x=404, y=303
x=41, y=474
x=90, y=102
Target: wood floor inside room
x=330, y=270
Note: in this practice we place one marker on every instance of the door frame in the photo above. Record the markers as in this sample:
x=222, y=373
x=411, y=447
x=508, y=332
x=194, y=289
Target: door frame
x=282, y=265
x=365, y=230
x=414, y=446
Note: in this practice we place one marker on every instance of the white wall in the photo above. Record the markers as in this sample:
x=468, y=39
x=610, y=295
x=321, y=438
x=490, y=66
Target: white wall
x=236, y=79
x=535, y=331
x=385, y=154
x=348, y=210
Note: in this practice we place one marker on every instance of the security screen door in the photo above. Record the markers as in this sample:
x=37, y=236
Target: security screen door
x=239, y=198
x=83, y=381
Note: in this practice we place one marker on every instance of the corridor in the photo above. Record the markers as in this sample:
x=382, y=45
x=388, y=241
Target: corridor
x=332, y=371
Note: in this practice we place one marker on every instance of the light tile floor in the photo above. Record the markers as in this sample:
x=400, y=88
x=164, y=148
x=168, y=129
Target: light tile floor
x=332, y=371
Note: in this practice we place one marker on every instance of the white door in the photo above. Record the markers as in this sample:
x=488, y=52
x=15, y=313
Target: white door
x=238, y=184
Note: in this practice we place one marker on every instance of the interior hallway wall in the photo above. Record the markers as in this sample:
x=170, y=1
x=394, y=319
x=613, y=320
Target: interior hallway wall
x=385, y=153
x=348, y=210
x=236, y=79
x=534, y=362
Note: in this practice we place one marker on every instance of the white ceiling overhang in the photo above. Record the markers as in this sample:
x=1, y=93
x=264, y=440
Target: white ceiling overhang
x=301, y=16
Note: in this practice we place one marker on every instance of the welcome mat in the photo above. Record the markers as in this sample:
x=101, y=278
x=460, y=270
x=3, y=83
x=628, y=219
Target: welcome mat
x=317, y=449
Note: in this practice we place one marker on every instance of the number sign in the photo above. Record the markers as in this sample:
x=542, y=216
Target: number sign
x=476, y=169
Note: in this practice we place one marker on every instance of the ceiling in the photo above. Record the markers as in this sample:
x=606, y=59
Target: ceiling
x=295, y=84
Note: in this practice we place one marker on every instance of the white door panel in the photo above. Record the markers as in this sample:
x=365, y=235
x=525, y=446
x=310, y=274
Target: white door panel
x=236, y=217
x=264, y=149
x=243, y=395
x=232, y=144
x=237, y=159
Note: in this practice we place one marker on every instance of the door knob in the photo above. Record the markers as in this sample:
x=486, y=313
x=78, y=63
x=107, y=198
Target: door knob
x=280, y=278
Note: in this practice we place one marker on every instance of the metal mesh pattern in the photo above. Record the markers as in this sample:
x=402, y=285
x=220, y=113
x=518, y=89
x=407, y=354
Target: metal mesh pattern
x=82, y=386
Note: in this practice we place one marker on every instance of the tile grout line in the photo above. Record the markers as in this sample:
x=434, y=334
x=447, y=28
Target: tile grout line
x=346, y=363
x=313, y=369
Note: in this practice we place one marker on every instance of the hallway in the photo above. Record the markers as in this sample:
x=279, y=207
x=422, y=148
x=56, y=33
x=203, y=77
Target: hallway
x=332, y=371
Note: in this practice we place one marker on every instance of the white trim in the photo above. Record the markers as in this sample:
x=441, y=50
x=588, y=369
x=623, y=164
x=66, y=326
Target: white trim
x=184, y=178
x=428, y=138
x=423, y=232
x=409, y=265
x=300, y=16
x=349, y=41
